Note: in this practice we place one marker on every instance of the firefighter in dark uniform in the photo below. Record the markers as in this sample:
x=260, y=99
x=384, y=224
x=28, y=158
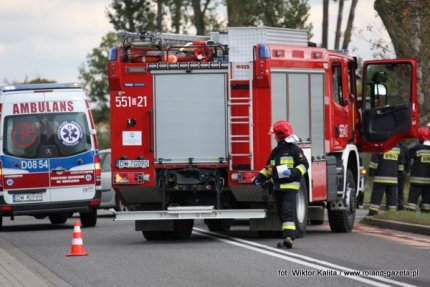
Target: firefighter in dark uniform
x=385, y=169
x=420, y=172
x=285, y=167
x=401, y=181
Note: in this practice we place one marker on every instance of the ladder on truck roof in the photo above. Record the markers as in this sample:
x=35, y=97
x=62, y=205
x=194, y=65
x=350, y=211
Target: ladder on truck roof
x=142, y=38
x=235, y=121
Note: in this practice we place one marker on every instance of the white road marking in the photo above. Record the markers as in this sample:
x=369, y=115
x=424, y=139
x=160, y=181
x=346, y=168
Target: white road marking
x=299, y=258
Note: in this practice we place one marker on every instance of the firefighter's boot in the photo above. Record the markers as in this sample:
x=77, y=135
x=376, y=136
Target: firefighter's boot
x=288, y=243
x=372, y=212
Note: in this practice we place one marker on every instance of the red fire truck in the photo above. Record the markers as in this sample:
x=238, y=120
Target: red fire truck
x=190, y=117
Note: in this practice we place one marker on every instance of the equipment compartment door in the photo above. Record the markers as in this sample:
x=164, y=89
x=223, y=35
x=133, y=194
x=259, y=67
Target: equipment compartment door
x=190, y=117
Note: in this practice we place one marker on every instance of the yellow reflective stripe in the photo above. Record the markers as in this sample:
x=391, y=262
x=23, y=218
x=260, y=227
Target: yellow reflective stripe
x=287, y=160
x=291, y=185
x=420, y=180
x=373, y=165
x=288, y=226
x=301, y=168
x=374, y=207
x=385, y=181
x=272, y=162
x=264, y=172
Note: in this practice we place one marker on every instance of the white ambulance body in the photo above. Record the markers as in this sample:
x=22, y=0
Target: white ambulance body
x=49, y=160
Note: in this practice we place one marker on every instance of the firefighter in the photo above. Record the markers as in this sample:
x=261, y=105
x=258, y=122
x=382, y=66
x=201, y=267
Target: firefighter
x=285, y=167
x=420, y=172
x=384, y=168
x=401, y=181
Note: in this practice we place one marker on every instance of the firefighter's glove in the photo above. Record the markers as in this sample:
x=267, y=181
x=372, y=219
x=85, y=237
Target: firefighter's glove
x=259, y=179
x=287, y=172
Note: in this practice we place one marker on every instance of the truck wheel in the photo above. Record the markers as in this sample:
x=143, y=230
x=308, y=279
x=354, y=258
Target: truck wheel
x=153, y=235
x=301, y=218
x=219, y=225
x=182, y=229
x=343, y=220
x=89, y=219
x=58, y=218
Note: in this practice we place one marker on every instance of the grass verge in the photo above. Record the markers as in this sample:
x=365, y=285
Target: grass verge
x=405, y=216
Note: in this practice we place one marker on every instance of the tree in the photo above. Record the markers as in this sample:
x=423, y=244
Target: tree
x=271, y=13
x=338, y=32
x=93, y=77
x=349, y=25
x=408, y=24
x=132, y=15
x=325, y=24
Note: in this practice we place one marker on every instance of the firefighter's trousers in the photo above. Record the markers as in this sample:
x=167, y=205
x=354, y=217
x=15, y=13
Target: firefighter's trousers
x=285, y=201
x=378, y=192
x=414, y=193
x=401, y=181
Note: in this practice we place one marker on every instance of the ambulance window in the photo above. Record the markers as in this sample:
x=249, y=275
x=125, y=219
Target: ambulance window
x=21, y=137
x=72, y=133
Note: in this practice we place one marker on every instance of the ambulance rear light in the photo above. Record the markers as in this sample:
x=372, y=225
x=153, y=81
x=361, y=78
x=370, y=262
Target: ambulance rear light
x=129, y=177
x=6, y=208
x=98, y=170
x=95, y=202
x=246, y=176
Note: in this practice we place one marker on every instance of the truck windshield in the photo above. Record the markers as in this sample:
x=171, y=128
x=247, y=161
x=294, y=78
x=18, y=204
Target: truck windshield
x=46, y=135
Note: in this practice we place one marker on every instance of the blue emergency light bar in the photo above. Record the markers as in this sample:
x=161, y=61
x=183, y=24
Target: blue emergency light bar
x=48, y=86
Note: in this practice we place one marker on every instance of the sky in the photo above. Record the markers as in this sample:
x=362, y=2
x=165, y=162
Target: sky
x=50, y=39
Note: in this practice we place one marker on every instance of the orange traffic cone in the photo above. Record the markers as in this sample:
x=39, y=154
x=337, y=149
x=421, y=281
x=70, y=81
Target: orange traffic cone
x=77, y=243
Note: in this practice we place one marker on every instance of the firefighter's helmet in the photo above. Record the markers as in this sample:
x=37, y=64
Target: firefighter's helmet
x=423, y=134
x=281, y=129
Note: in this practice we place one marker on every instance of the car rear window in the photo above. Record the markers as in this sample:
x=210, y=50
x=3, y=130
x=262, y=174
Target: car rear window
x=36, y=135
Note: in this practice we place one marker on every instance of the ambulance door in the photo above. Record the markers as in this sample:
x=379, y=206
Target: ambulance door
x=72, y=174
x=389, y=107
x=25, y=175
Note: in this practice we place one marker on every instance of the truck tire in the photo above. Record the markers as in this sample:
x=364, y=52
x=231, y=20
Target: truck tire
x=153, y=235
x=182, y=229
x=343, y=220
x=58, y=218
x=301, y=218
x=219, y=225
x=89, y=219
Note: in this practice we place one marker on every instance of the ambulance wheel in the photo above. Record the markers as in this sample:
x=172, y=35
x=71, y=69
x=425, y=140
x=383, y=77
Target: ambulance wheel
x=343, y=220
x=219, y=225
x=301, y=218
x=88, y=219
x=58, y=218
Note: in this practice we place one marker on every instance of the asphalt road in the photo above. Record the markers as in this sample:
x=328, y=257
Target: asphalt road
x=120, y=256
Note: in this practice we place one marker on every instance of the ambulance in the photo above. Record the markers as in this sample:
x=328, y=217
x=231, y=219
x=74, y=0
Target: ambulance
x=49, y=161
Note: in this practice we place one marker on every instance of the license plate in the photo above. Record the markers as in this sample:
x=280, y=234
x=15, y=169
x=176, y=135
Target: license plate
x=27, y=197
x=132, y=163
